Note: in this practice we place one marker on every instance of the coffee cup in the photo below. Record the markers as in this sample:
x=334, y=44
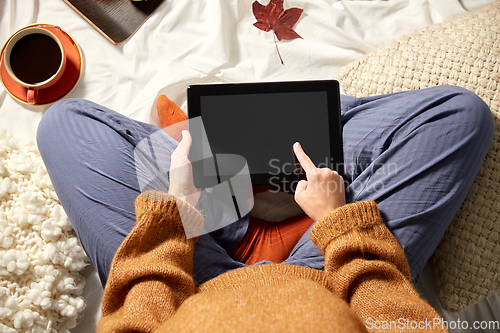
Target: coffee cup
x=35, y=59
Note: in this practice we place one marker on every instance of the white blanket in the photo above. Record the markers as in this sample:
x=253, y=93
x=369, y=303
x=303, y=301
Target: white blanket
x=187, y=42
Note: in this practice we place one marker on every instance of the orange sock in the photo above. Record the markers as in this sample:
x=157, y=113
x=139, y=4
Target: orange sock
x=172, y=118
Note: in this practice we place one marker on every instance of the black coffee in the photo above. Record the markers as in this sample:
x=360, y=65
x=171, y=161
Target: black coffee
x=35, y=58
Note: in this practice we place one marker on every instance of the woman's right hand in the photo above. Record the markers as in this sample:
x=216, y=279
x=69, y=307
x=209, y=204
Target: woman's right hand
x=322, y=192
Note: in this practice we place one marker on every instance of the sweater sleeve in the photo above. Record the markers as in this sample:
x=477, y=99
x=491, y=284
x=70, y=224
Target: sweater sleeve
x=368, y=269
x=150, y=275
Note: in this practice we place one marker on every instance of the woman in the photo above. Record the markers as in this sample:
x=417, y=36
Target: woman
x=436, y=137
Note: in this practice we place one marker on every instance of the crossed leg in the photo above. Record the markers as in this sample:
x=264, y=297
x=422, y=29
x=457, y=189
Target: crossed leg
x=415, y=153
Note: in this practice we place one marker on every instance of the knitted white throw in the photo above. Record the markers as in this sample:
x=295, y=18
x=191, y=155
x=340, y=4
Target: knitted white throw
x=40, y=255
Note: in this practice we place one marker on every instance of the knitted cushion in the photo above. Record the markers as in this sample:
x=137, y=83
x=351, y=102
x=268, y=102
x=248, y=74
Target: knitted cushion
x=463, y=52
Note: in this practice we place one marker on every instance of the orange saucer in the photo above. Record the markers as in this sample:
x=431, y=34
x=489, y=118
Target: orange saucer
x=64, y=85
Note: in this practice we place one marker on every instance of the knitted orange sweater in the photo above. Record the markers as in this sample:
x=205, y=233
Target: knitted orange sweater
x=366, y=283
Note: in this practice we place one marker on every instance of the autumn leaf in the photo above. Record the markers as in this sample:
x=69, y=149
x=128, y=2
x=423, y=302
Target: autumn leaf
x=274, y=17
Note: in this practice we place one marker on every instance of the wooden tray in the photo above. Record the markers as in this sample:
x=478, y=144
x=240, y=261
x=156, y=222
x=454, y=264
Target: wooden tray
x=117, y=20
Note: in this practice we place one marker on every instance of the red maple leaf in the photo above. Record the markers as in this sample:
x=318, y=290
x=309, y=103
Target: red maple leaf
x=274, y=17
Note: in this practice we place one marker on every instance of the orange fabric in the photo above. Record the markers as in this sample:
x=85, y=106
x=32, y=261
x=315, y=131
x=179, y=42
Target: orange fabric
x=150, y=287
x=172, y=118
x=273, y=241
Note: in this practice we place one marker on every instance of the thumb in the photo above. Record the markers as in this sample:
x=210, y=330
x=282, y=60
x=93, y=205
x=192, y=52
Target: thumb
x=299, y=190
x=301, y=187
x=181, y=152
x=186, y=136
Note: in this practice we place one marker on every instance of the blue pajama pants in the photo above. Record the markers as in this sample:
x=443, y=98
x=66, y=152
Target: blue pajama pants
x=415, y=153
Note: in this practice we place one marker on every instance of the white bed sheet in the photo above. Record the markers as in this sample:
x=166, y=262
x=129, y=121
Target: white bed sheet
x=187, y=42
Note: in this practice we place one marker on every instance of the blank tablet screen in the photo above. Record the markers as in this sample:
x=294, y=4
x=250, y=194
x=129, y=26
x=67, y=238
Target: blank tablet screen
x=261, y=122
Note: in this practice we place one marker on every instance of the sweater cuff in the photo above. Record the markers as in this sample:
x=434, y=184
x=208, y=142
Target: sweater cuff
x=353, y=216
x=192, y=220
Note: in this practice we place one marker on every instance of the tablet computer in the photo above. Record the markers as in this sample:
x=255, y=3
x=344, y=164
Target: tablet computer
x=261, y=122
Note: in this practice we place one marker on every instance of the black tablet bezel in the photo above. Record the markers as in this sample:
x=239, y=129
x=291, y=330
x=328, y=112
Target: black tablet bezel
x=331, y=87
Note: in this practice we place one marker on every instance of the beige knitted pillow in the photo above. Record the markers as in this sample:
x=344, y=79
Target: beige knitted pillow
x=463, y=52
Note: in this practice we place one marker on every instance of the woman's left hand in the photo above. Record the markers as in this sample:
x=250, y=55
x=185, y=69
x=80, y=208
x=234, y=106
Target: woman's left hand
x=181, y=172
